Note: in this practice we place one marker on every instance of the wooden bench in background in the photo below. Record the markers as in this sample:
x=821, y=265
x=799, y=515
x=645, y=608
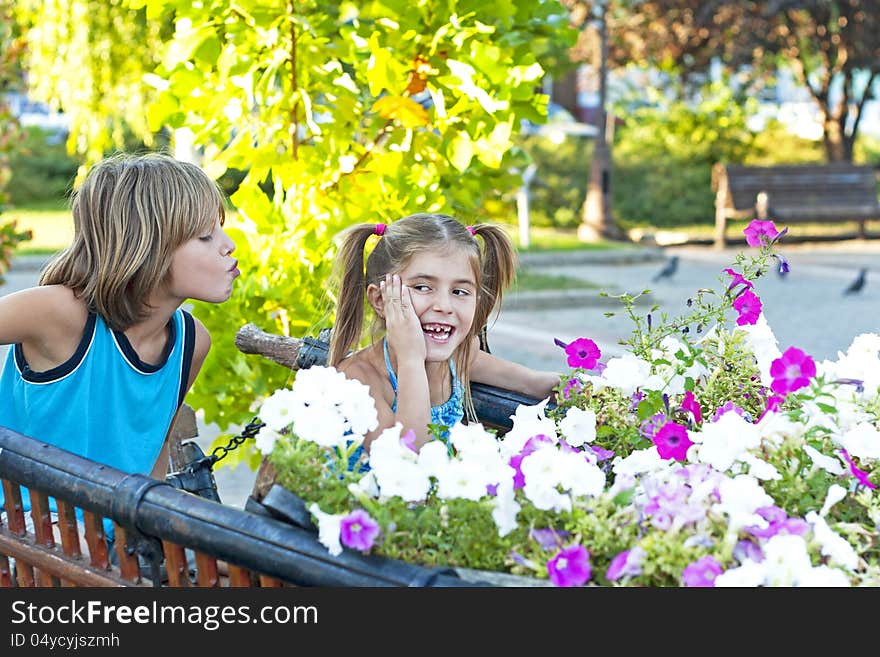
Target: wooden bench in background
x=785, y=194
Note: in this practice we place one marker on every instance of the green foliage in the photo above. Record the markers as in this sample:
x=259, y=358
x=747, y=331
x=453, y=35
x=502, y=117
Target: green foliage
x=42, y=170
x=314, y=116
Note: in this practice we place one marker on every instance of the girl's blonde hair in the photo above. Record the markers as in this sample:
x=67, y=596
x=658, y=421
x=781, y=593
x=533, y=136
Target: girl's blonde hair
x=494, y=266
x=129, y=216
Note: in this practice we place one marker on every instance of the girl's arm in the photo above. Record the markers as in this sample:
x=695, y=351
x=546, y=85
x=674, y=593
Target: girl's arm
x=500, y=373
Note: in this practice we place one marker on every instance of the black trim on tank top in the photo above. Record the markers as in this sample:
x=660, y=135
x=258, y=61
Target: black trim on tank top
x=189, y=345
x=65, y=368
x=135, y=360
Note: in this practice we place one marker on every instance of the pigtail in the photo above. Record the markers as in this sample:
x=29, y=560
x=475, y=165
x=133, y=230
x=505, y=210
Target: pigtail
x=349, y=274
x=498, y=270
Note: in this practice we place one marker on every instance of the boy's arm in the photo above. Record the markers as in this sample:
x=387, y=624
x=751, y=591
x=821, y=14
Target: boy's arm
x=500, y=373
x=200, y=351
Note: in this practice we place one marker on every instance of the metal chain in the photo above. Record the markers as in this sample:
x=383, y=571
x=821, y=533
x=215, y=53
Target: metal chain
x=250, y=431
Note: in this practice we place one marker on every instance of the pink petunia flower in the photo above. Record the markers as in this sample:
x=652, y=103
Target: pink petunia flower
x=738, y=279
x=857, y=472
x=570, y=566
x=758, y=232
x=408, y=440
x=358, y=530
x=692, y=406
x=792, y=371
x=672, y=441
x=748, y=305
x=702, y=572
x=584, y=353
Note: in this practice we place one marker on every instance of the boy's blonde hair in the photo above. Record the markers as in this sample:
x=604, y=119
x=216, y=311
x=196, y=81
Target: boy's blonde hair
x=494, y=267
x=129, y=216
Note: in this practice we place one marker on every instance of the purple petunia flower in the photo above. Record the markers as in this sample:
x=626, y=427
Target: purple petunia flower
x=570, y=566
x=650, y=426
x=738, y=279
x=627, y=563
x=784, y=267
x=748, y=305
x=549, y=538
x=573, y=386
x=358, y=530
x=601, y=453
x=857, y=472
x=672, y=441
x=582, y=352
x=759, y=232
x=792, y=371
x=702, y=572
x=728, y=407
x=778, y=522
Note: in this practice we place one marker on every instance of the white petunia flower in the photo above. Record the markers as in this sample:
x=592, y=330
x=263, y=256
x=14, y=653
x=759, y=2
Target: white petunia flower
x=722, y=443
x=505, y=507
x=265, y=440
x=528, y=422
x=833, y=545
x=275, y=410
x=862, y=441
x=836, y=492
x=578, y=426
x=826, y=463
x=741, y=497
x=328, y=529
x=760, y=340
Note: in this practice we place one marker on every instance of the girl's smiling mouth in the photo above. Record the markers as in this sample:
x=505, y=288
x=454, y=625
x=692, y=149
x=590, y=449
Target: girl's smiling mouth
x=438, y=332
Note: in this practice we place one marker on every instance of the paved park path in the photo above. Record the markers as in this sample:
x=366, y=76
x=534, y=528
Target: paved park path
x=806, y=309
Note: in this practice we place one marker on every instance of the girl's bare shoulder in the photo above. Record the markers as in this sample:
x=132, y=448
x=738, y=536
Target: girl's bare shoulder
x=363, y=366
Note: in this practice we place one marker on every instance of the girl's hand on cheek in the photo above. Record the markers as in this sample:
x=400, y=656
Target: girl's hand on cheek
x=404, y=328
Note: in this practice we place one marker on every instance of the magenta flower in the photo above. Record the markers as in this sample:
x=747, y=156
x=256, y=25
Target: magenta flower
x=792, y=371
x=737, y=279
x=672, y=441
x=758, y=232
x=702, y=572
x=857, y=472
x=692, y=406
x=748, y=305
x=358, y=530
x=583, y=352
x=570, y=566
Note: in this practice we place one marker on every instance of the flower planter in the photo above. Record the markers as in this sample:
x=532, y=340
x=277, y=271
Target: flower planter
x=287, y=506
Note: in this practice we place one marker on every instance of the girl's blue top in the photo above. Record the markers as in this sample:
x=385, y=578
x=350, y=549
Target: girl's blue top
x=445, y=415
x=104, y=403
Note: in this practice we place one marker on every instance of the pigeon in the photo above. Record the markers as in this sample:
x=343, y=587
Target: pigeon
x=858, y=283
x=668, y=269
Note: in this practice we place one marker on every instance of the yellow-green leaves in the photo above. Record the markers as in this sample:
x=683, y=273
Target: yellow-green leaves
x=405, y=110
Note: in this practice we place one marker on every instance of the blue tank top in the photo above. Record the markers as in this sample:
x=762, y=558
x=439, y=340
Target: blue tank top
x=104, y=402
x=446, y=414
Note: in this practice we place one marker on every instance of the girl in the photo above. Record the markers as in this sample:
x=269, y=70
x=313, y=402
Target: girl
x=103, y=354
x=431, y=288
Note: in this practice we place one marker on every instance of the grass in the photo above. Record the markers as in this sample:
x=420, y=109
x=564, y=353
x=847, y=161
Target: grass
x=52, y=228
x=529, y=280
